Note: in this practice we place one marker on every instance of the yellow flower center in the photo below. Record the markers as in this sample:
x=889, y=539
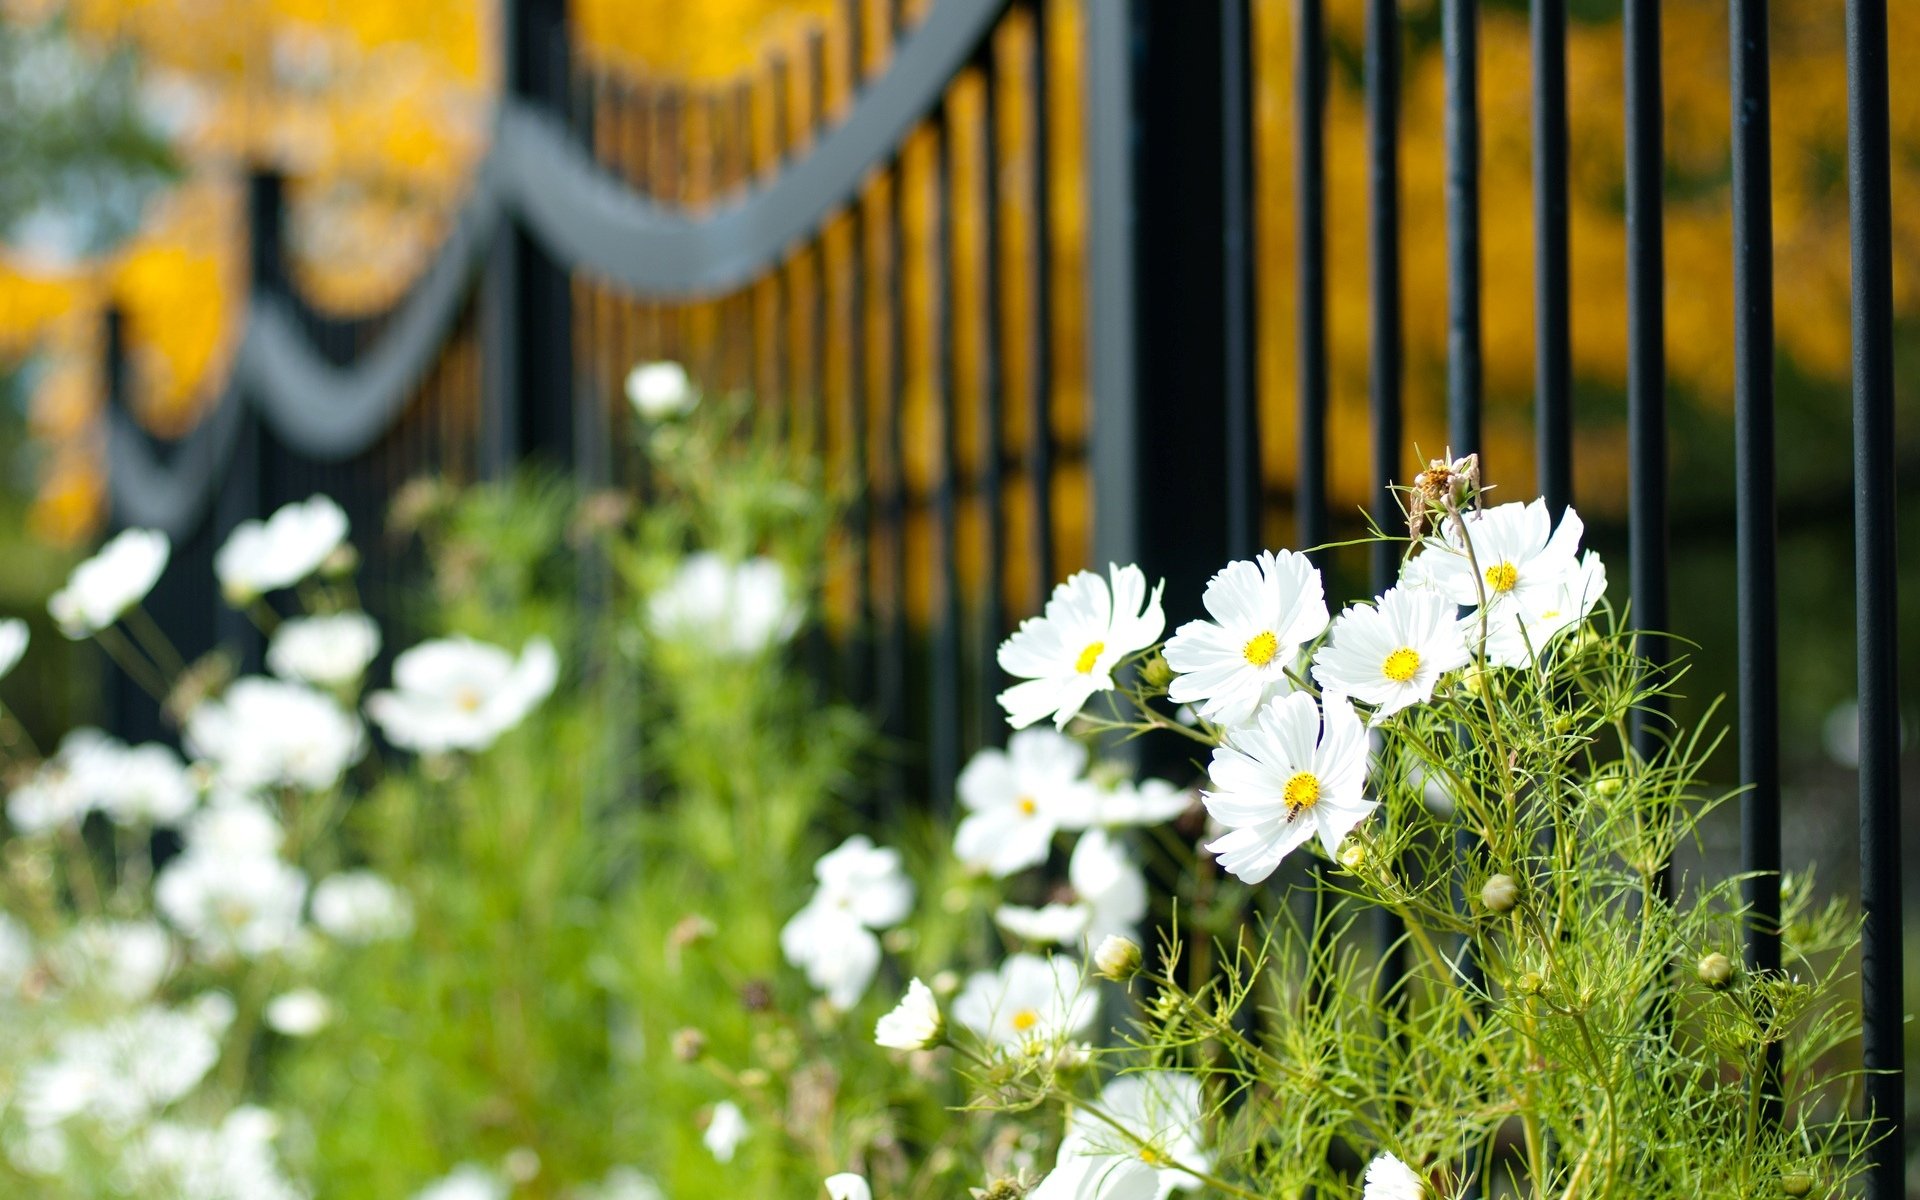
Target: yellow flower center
x=1027, y=805
x=1150, y=1156
x=1401, y=664
x=1024, y=1020
x=1301, y=793
x=1089, y=656
x=467, y=700
x=1261, y=648
x=1502, y=578
x=1550, y=614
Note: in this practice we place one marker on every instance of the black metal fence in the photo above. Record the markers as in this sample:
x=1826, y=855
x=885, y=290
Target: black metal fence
x=870, y=234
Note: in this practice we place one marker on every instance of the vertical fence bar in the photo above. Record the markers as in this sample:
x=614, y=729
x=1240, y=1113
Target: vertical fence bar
x=993, y=618
x=1876, y=577
x=1553, y=354
x=893, y=659
x=943, y=751
x=542, y=362
x=1755, y=526
x=1238, y=235
x=1039, y=248
x=1459, y=33
x=1310, y=269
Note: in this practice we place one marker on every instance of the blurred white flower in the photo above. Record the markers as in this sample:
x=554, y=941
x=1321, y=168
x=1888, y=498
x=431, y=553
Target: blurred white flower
x=330, y=651
x=1029, y=999
x=1160, y=1114
x=460, y=694
x=726, y=1129
x=1390, y=1179
x=121, y=1072
x=1050, y=924
x=1521, y=557
x=1284, y=779
x=1263, y=612
x=1016, y=800
x=300, y=1013
x=360, y=906
x=1108, y=881
x=56, y=792
x=268, y=733
x=136, y=785
x=848, y=1186
x=1391, y=655
x=914, y=1023
x=261, y=556
x=861, y=888
x=658, y=390
x=1149, y=802
x=232, y=826
x=248, y=906
x=111, y=582
x=127, y=960
x=1099, y=1178
x=737, y=609
x=232, y=1161
x=465, y=1182
x=13, y=643
x=621, y=1183
x=1069, y=652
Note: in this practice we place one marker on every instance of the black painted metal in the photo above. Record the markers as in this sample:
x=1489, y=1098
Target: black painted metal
x=1039, y=270
x=1382, y=66
x=1460, y=39
x=1553, y=349
x=1310, y=281
x=543, y=295
x=943, y=749
x=992, y=620
x=1875, y=580
x=1241, y=353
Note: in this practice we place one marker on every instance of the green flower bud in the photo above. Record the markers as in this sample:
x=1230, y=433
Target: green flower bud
x=1117, y=959
x=1500, y=893
x=1608, y=786
x=1715, y=970
x=1799, y=1183
x=1530, y=983
x=1156, y=674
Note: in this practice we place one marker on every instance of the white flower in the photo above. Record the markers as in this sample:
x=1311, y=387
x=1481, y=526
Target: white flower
x=726, y=1129
x=261, y=556
x=1390, y=1179
x=1160, y=1114
x=733, y=609
x=1068, y=653
x=460, y=694
x=1263, y=612
x=1149, y=802
x=300, y=1013
x=660, y=389
x=233, y=826
x=1016, y=799
x=1108, y=881
x=119, y=1073
x=57, y=792
x=848, y=1186
x=248, y=906
x=1277, y=787
x=136, y=785
x=267, y=733
x=233, y=1161
x=1392, y=654
x=623, y=1183
x=861, y=888
x=127, y=960
x=1099, y=1178
x=111, y=582
x=1029, y=999
x=465, y=1182
x=914, y=1024
x=1053, y=924
x=1523, y=628
x=329, y=651
x=360, y=906
x=1521, y=558
x=13, y=643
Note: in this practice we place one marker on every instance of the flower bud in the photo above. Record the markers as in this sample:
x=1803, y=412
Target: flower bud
x=1500, y=893
x=1796, y=1184
x=1353, y=856
x=1715, y=970
x=689, y=1044
x=1156, y=674
x=753, y=1077
x=1117, y=959
x=1608, y=786
x=1529, y=983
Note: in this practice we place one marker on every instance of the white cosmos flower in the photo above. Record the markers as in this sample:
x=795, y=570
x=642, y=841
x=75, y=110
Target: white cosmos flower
x=1391, y=654
x=658, y=390
x=467, y=1181
x=126, y=960
x=623, y=1183
x=1102, y=1177
x=731, y=609
x=59, y=790
x=848, y=1186
x=1160, y=1112
x=1108, y=881
x=1029, y=999
x=726, y=1129
x=232, y=1161
x=1520, y=555
x=1521, y=629
x=1051, y=924
x=120, y=1072
x=460, y=694
x=861, y=889
x=234, y=825
x=1017, y=798
x=360, y=907
x=330, y=651
x=261, y=556
x=914, y=1023
x=268, y=733
x=136, y=785
x=1283, y=779
x=248, y=906
x=13, y=643
x=1068, y=653
x=1390, y=1179
x=1263, y=612
x=300, y=1013
x=1149, y=802
x=115, y=579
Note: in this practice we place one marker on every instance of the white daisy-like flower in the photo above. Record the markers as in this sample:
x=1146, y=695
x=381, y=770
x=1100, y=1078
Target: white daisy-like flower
x=1029, y=999
x=120, y=1072
x=848, y=1186
x=1099, y=1178
x=361, y=907
x=1160, y=1113
x=623, y=1183
x=1069, y=652
x=268, y=733
x=1263, y=612
x=1517, y=632
x=1017, y=798
x=468, y=1181
x=736, y=610
x=234, y=1160
x=726, y=1129
x=1109, y=882
x=1391, y=654
x=1148, y=802
x=456, y=693
x=658, y=390
x=246, y=906
x=262, y=556
x=115, y=579
x=234, y=825
x=331, y=651
x=13, y=644
x=1049, y=925
x=300, y=1013
x=1390, y=1179
x=861, y=888
x=126, y=960
x=1284, y=779
x=137, y=785
x=59, y=792
x=913, y=1024
x=1520, y=555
